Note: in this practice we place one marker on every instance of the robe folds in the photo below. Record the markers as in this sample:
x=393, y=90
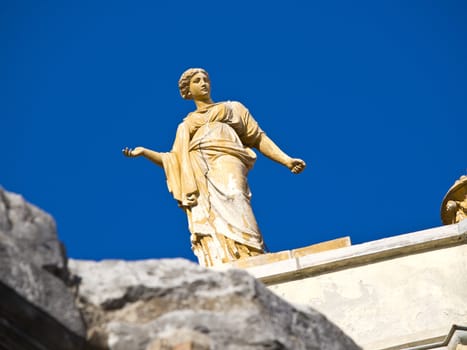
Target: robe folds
x=206, y=172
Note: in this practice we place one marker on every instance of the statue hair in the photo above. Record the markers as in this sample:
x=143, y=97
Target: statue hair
x=184, y=81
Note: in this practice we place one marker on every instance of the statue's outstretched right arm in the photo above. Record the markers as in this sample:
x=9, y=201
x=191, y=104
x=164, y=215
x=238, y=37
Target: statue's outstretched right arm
x=153, y=156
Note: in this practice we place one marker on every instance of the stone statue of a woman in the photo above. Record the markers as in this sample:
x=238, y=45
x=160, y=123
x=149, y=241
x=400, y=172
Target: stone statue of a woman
x=207, y=171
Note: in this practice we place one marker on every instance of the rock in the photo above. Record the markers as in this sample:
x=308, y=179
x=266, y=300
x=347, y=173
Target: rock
x=24, y=326
x=33, y=261
x=33, y=232
x=175, y=304
x=139, y=305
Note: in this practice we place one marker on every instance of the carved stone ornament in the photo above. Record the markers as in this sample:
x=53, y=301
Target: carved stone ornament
x=454, y=206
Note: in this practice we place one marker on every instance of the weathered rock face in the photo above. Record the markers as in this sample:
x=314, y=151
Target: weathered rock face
x=141, y=305
x=33, y=232
x=175, y=304
x=33, y=261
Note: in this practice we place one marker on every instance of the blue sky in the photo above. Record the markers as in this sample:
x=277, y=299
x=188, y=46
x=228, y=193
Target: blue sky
x=371, y=94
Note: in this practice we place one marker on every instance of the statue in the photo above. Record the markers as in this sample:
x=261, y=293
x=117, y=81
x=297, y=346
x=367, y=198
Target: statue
x=207, y=169
x=454, y=206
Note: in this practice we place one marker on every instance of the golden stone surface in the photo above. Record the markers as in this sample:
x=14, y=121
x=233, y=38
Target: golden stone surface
x=288, y=254
x=321, y=247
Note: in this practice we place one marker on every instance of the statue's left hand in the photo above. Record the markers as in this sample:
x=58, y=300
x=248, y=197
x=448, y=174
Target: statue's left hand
x=296, y=165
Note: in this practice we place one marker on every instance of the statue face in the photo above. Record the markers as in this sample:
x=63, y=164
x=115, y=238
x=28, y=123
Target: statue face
x=200, y=87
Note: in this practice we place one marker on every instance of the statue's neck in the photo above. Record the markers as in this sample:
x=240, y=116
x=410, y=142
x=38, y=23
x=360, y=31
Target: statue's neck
x=202, y=104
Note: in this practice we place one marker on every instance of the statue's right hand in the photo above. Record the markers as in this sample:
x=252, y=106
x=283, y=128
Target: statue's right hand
x=135, y=152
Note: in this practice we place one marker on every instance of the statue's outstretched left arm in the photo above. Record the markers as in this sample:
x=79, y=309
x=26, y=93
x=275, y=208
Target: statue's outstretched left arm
x=267, y=147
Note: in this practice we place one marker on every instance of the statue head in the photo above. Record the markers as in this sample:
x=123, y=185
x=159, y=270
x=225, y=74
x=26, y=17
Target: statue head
x=184, y=81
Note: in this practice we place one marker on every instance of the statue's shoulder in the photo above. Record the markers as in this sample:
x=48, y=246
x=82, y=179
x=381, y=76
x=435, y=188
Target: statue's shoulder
x=187, y=117
x=235, y=105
